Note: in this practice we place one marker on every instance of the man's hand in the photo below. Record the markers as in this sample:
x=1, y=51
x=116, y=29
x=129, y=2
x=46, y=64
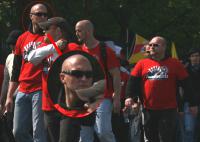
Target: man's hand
x=131, y=105
x=8, y=104
x=61, y=44
x=91, y=107
x=128, y=102
x=116, y=104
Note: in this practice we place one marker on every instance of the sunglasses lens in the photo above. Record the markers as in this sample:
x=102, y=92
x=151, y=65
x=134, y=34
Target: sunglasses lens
x=40, y=14
x=88, y=74
x=153, y=45
x=79, y=74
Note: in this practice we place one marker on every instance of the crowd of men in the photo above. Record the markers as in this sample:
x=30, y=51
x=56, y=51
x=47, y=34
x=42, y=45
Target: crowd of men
x=44, y=86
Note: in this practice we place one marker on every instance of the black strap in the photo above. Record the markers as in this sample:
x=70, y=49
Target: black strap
x=103, y=53
x=17, y=63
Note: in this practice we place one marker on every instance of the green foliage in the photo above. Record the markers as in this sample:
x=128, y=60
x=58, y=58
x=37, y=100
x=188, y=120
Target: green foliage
x=7, y=12
x=177, y=20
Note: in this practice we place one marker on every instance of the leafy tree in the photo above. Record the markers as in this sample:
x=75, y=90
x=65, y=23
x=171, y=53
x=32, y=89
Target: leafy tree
x=177, y=20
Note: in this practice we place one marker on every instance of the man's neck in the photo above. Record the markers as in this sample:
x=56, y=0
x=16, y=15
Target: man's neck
x=158, y=58
x=92, y=43
x=36, y=29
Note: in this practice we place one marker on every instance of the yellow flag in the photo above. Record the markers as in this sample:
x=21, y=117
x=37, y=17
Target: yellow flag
x=173, y=51
x=137, y=54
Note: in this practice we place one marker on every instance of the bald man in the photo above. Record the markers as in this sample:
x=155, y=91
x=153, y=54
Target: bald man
x=27, y=112
x=85, y=34
x=154, y=80
x=68, y=76
x=76, y=73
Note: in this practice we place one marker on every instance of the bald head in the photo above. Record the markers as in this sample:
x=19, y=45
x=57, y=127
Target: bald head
x=76, y=61
x=38, y=6
x=161, y=40
x=38, y=14
x=86, y=24
x=76, y=72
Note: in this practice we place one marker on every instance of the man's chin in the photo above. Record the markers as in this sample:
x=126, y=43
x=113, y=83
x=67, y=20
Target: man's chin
x=153, y=53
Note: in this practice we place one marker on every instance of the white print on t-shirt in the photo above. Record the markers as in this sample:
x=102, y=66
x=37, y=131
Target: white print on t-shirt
x=29, y=47
x=157, y=73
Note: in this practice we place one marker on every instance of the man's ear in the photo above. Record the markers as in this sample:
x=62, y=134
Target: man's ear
x=62, y=76
x=59, y=30
x=88, y=33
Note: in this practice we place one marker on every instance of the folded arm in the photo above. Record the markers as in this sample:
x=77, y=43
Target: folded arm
x=36, y=56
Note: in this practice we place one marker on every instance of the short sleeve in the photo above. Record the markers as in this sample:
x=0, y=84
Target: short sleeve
x=180, y=70
x=137, y=70
x=18, y=46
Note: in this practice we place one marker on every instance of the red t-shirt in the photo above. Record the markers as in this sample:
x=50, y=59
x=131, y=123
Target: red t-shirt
x=30, y=78
x=159, y=80
x=47, y=104
x=112, y=62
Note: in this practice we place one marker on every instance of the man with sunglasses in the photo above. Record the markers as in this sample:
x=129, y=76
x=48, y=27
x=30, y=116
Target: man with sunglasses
x=28, y=113
x=154, y=80
x=59, y=29
x=78, y=72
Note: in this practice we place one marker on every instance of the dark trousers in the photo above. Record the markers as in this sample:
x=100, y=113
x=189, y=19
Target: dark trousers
x=52, y=125
x=69, y=130
x=120, y=128
x=160, y=125
x=70, y=127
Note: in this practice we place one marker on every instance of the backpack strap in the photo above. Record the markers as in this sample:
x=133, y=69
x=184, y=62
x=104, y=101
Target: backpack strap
x=103, y=53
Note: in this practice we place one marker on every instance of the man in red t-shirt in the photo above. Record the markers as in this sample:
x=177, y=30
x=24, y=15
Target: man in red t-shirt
x=84, y=32
x=28, y=113
x=154, y=80
x=59, y=30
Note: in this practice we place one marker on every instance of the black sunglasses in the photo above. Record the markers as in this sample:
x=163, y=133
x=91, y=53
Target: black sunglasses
x=79, y=74
x=40, y=14
x=154, y=45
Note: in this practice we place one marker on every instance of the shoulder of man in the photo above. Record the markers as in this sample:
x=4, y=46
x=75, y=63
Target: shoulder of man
x=73, y=45
x=24, y=34
x=174, y=60
x=106, y=51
